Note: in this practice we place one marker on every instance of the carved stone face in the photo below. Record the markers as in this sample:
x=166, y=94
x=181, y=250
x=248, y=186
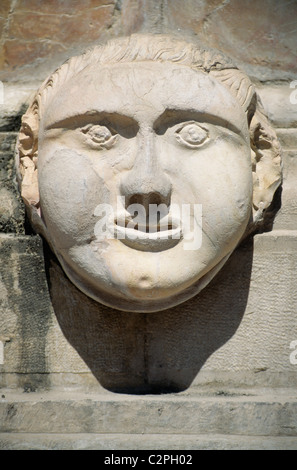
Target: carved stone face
x=147, y=134
x=173, y=137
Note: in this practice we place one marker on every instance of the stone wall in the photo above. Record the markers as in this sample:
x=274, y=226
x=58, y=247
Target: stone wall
x=37, y=35
x=237, y=333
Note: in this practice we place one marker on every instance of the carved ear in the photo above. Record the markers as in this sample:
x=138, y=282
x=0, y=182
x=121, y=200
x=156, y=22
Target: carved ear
x=28, y=148
x=266, y=150
x=266, y=162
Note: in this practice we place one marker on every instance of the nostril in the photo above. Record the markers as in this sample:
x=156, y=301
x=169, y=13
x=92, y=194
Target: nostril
x=156, y=198
x=146, y=199
x=134, y=199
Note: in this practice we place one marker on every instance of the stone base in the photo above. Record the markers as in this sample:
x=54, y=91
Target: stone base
x=111, y=442
x=255, y=419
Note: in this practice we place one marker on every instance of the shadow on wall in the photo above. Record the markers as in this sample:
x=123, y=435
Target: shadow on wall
x=155, y=352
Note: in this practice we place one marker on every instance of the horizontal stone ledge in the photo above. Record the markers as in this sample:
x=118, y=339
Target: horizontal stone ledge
x=265, y=415
x=110, y=442
x=277, y=241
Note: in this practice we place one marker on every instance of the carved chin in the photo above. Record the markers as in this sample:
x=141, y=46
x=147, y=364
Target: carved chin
x=138, y=296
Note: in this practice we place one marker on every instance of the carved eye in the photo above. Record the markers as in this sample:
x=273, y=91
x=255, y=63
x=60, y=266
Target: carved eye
x=99, y=136
x=191, y=134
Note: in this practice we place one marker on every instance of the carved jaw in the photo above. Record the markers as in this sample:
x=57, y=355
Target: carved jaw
x=141, y=305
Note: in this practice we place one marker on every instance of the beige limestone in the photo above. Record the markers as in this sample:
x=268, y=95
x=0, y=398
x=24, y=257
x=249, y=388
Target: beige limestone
x=151, y=121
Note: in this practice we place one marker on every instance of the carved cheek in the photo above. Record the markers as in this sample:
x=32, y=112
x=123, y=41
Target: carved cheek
x=70, y=190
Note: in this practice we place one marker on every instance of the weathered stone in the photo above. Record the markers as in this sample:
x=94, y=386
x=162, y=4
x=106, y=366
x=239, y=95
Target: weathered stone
x=258, y=33
x=4, y=8
x=25, y=309
x=132, y=16
x=34, y=31
x=85, y=25
x=231, y=342
x=260, y=414
x=20, y=53
x=286, y=217
x=12, y=211
x=287, y=138
x=2, y=24
x=7, y=142
x=142, y=442
x=57, y=7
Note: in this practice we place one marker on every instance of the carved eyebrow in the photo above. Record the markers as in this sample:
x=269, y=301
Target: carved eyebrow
x=122, y=124
x=171, y=117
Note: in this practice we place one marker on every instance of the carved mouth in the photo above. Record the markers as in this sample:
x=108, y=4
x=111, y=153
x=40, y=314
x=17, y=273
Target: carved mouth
x=148, y=237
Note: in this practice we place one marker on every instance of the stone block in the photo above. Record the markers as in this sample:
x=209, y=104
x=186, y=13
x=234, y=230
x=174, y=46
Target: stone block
x=12, y=212
x=33, y=344
x=24, y=307
x=45, y=32
x=260, y=414
x=286, y=217
x=143, y=442
x=259, y=36
x=19, y=53
x=57, y=338
x=87, y=24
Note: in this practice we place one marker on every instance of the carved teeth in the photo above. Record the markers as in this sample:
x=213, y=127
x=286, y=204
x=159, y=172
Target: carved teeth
x=146, y=228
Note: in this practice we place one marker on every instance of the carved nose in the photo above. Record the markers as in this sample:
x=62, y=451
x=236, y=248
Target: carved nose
x=146, y=183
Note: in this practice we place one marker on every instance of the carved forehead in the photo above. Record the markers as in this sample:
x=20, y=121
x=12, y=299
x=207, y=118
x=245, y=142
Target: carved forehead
x=143, y=90
x=139, y=48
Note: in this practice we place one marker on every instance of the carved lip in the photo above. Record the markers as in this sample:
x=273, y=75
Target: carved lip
x=147, y=237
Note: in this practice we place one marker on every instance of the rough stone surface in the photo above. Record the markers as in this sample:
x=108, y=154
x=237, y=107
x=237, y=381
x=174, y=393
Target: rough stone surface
x=36, y=36
x=267, y=414
x=12, y=214
x=288, y=138
x=35, y=31
x=287, y=214
x=260, y=34
x=239, y=342
x=111, y=442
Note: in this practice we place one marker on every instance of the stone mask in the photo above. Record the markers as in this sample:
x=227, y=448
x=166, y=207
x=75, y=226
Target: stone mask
x=154, y=161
